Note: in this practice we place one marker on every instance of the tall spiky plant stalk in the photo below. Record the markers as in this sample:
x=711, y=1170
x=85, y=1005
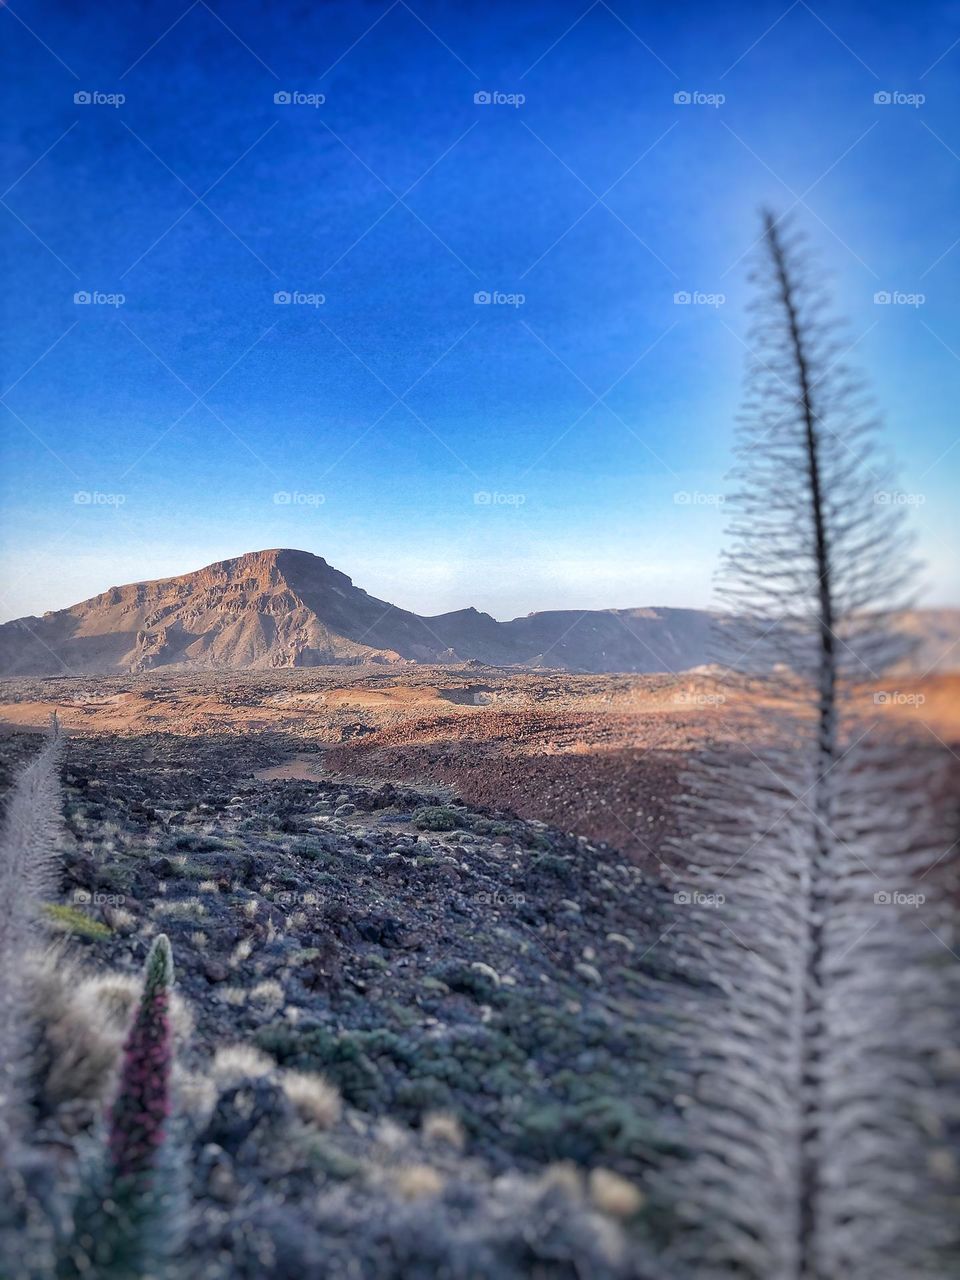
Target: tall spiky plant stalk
x=127, y=1219
x=142, y=1104
x=813, y=1115
x=826, y=710
x=28, y=858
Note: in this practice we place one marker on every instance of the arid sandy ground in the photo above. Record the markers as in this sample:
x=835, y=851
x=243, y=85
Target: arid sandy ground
x=335, y=910
x=596, y=755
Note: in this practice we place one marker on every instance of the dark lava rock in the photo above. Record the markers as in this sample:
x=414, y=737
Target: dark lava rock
x=244, y=1114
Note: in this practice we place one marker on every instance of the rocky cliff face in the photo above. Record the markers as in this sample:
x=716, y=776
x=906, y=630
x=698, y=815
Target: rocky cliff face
x=285, y=608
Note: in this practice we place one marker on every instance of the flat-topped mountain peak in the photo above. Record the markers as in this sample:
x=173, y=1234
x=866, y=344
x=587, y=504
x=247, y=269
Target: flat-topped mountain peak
x=286, y=607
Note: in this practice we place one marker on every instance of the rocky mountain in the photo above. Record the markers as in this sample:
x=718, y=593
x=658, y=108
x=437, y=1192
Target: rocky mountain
x=287, y=609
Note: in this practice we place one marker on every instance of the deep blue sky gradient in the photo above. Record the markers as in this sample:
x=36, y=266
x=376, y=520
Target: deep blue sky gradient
x=495, y=399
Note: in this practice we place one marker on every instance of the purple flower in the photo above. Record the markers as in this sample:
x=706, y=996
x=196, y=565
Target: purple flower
x=142, y=1105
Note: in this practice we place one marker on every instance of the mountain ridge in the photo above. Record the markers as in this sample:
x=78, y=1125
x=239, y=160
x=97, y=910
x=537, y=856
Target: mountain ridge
x=288, y=608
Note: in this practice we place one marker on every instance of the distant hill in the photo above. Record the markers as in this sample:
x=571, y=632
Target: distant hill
x=285, y=609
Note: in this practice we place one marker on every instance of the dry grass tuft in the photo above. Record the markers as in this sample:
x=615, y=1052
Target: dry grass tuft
x=120, y=920
x=196, y=1094
x=313, y=1098
x=236, y=1062
x=83, y=1021
x=233, y=996
x=564, y=1176
x=181, y=909
x=614, y=1195
x=416, y=1181
x=443, y=1129
x=267, y=994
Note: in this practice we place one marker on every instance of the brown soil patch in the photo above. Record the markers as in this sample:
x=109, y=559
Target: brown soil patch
x=601, y=756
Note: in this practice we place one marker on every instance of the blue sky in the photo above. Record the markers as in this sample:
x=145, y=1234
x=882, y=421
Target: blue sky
x=381, y=413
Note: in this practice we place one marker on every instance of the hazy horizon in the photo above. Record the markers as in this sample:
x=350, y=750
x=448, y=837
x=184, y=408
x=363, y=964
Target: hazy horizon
x=396, y=592
x=386, y=575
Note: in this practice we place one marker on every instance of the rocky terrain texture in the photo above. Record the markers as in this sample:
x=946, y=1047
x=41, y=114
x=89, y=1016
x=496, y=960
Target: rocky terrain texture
x=416, y=1038
x=418, y=1034
x=290, y=609
x=597, y=755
